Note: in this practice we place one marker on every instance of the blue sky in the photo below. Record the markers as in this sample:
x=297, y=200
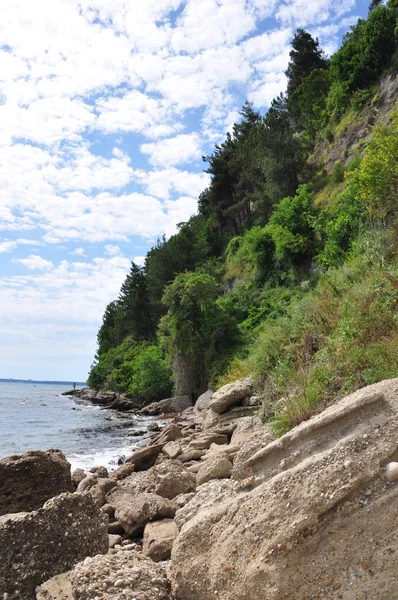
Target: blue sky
x=106, y=108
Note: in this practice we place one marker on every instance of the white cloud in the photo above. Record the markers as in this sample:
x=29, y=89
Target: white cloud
x=78, y=252
x=112, y=250
x=183, y=148
x=139, y=260
x=9, y=245
x=34, y=262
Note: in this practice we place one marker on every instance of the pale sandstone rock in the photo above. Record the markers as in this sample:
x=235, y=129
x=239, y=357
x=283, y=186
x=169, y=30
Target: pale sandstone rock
x=203, y=442
x=123, y=471
x=210, y=494
x=145, y=457
x=203, y=402
x=169, y=479
x=230, y=395
x=172, y=449
x=100, y=490
x=114, y=539
x=169, y=405
x=77, y=476
x=119, y=576
x=159, y=538
x=216, y=467
x=171, y=433
x=28, y=480
x=56, y=588
x=211, y=420
x=392, y=471
x=135, y=511
x=36, y=546
x=309, y=527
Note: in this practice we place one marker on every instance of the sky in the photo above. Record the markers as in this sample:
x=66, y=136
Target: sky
x=106, y=109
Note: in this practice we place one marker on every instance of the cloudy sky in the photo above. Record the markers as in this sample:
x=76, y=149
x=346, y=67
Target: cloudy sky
x=106, y=108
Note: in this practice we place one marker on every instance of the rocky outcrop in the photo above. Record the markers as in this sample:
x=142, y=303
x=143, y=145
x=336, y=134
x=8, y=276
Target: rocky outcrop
x=28, y=480
x=169, y=405
x=159, y=538
x=106, y=399
x=36, y=546
x=314, y=519
x=230, y=395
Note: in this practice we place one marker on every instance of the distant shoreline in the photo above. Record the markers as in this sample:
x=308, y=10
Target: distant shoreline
x=10, y=380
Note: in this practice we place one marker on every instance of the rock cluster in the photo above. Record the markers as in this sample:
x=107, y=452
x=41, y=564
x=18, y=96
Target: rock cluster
x=236, y=514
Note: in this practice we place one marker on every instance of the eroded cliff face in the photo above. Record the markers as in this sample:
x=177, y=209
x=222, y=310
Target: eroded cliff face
x=357, y=132
x=320, y=519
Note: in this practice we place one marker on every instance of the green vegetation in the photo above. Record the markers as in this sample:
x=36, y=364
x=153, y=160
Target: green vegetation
x=287, y=272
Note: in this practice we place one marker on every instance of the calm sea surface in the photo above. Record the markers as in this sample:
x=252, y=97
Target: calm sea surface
x=35, y=416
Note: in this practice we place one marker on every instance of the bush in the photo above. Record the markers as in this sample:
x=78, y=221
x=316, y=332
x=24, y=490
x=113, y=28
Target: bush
x=151, y=374
x=292, y=228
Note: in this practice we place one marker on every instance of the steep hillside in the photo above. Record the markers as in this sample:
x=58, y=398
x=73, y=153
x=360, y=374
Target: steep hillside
x=289, y=270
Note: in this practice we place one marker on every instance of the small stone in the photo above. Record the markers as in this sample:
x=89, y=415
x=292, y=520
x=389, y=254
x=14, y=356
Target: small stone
x=119, y=583
x=392, y=471
x=347, y=464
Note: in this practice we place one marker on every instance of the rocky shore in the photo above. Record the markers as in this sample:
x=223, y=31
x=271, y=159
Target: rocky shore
x=214, y=508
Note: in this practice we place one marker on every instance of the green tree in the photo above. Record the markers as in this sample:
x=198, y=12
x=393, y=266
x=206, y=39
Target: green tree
x=195, y=330
x=283, y=152
x=134, y=305
x=292, y=228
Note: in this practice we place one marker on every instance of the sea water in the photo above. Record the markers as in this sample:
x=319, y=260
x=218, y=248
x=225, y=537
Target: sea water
x=36, y=416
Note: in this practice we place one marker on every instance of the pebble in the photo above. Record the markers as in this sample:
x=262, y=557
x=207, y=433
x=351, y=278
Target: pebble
x=392, y=471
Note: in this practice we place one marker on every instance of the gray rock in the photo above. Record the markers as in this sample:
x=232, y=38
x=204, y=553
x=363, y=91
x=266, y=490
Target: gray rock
x=28, y=480
x=38, y=545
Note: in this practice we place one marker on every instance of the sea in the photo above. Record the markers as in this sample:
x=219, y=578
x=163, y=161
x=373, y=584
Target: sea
x=36, y=416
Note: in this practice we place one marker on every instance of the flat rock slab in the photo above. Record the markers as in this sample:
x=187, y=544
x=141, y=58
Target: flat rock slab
x=315, y=519
x=169, y=405
x=27, y=481
x=38, y=545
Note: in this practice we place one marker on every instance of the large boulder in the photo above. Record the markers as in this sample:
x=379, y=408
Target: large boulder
x=203, y=402
x=119, y=576
x=28, y=480
x=169, y=405
x=36, y=546
x=319, y=519
x=230, y=395
x=169, y=479
x=134, y=511
x=159, y=538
